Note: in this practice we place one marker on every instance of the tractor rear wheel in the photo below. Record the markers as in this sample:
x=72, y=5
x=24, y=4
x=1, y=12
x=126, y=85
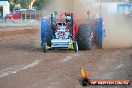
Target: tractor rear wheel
x=98, y=42
x=49, y=35
x=84, y=34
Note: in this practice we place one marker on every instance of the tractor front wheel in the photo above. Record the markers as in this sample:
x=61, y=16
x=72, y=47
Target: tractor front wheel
x=45, y=48
x=75, y=45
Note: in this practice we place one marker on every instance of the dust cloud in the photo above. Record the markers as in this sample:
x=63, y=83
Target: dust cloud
x=118, y=31
x=118, y=28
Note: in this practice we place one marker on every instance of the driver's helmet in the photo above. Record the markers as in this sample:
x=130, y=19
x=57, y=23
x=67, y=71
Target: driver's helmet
x=68, y=17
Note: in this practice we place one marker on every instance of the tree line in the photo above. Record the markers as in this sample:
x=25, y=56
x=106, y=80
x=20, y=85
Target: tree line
x=38, y=4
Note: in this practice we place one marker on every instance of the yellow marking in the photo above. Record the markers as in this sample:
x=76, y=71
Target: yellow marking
x=71, y=45
x=47, y=47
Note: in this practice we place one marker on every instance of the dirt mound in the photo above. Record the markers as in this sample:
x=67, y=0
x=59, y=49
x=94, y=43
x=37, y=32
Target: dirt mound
x=58, y=68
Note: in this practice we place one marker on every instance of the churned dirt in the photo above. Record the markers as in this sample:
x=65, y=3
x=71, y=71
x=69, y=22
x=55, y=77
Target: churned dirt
x=25, y=66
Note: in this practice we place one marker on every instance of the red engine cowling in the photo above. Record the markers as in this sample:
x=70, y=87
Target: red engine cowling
x=70, y=24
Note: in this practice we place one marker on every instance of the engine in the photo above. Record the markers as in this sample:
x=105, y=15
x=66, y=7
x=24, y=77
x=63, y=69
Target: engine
x=62, y=32
x=62, y=36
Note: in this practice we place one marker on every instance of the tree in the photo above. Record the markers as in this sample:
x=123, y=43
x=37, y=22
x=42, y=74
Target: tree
x=12, y=4
x=25, y=3
x=39, y=4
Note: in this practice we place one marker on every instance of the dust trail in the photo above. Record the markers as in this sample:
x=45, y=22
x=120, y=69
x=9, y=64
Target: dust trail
x=118, y=31
x=75, y=6
x=118, y=28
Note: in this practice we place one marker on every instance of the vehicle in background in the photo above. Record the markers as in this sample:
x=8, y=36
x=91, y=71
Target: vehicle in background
x=21, y=14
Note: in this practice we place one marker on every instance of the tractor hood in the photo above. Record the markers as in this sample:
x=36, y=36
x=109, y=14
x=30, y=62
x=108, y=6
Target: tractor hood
x=9, y=15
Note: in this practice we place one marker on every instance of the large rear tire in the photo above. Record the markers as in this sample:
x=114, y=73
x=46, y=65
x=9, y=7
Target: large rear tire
x=50, y=31
x=98, y=42
x=49, y=35
x=84, y=34
x=99, y=33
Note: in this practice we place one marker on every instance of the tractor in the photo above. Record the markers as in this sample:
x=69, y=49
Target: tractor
x=62, y=32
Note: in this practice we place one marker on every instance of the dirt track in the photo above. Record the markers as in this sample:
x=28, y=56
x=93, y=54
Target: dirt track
x=23, y=65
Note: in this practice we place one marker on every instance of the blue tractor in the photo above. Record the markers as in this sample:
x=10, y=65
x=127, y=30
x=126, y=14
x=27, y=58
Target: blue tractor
x=62, y=32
